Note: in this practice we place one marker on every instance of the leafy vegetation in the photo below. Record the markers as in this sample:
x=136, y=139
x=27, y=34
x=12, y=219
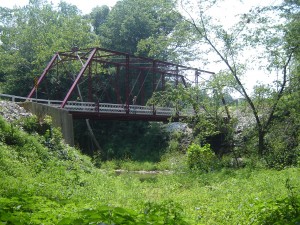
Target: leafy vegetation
x=56, y=184
x=235, y=163
x=201, y=158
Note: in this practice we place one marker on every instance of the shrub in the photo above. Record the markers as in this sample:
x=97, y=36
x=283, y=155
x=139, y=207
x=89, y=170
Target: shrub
x=201, y=158
x=281, y=156
x=33, y=124
x=283, y=210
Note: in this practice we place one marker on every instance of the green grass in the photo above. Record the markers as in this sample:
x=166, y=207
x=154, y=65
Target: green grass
x=44, y=181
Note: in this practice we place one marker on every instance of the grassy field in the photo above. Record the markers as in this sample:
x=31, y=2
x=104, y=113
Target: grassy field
x=223, y=197
x=43, y=181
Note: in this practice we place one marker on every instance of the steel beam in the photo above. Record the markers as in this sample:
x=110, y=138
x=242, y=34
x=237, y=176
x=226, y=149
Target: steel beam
x=50, y=64
x=84, y=67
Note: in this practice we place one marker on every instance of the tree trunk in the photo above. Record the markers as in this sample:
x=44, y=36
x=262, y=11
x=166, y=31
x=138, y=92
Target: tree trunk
x=226, y=107
x=261, y=142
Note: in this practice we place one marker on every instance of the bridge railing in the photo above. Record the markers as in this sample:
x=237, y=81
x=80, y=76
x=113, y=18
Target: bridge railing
x=141, y=110
x=15, y=98
x=95, y=107
x=77, y=106
x=12, y=98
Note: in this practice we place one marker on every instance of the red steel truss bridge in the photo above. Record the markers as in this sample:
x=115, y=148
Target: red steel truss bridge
x=111, y=85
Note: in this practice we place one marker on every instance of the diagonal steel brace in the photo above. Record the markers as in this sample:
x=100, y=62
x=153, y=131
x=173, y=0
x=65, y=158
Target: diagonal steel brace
x=83, y=68
x=41, y=78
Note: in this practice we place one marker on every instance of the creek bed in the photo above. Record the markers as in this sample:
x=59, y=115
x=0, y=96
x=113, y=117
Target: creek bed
x=143, y=175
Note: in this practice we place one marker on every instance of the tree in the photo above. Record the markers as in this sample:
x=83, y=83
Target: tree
x=283, y=135
x=229, y=45
x=30, y=36
x=142, y=27
x=99, y=16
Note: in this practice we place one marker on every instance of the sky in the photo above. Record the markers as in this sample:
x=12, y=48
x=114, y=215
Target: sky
x=84, y=5
x=226, y=13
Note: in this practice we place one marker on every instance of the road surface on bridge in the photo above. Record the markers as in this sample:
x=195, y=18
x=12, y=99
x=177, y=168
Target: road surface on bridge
x=109, y=111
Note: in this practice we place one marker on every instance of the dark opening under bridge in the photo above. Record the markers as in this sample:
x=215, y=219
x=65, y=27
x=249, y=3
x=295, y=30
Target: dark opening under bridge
x=110, y=85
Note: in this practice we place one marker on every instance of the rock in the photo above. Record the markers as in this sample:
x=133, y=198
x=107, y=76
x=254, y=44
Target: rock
x=178, y=127
x=11, y=111
x=245, y=120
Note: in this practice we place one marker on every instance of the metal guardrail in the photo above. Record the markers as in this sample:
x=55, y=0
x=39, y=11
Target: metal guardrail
x=75, y=106
x=14, y=98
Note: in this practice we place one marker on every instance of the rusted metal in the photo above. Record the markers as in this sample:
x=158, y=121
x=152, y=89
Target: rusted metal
x=124, y=70
x=41, y=78
x=93, y=52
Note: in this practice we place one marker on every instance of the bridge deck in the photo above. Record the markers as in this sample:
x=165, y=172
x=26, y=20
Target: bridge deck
x=108, y=111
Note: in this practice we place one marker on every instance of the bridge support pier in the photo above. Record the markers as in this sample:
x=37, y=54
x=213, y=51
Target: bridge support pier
x=60, y=118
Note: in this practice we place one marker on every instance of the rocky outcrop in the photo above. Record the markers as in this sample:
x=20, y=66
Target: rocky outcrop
x=11, y=111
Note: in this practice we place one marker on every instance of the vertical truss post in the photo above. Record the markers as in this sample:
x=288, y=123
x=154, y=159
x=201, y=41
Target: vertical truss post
x=50, y=64
x=127, y=83
x=83, y=68
x=196, y=77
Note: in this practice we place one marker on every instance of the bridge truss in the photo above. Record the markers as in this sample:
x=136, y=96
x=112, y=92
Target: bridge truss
x=102, y=77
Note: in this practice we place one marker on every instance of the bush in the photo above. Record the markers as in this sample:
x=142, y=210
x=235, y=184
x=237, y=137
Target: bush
x=279, y=155
x=201, y=158
x=33, y=124
x=283, y=210
x=41, y=210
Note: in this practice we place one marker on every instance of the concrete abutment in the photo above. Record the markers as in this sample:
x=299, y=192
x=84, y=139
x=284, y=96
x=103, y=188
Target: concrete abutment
x=60, y=118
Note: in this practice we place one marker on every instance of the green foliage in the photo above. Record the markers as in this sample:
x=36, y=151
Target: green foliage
x=27, y=210
x=179, y=141
x=211, y=124
x=283, y=138
x=178, y=97
x=128, y=165
x=32, y=34
x=99, y=16
x=134, y=140
x=65, y=188
x=173, y=161
x=201, y=158
x=37, y=210
x=165, y=213
x=33, y=125
x=281, y=156
x=137, y=26
x=282, y=211
x=42, y=183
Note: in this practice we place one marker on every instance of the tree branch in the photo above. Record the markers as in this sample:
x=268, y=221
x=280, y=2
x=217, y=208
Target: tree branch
x=280, y=93
x=232, y=69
